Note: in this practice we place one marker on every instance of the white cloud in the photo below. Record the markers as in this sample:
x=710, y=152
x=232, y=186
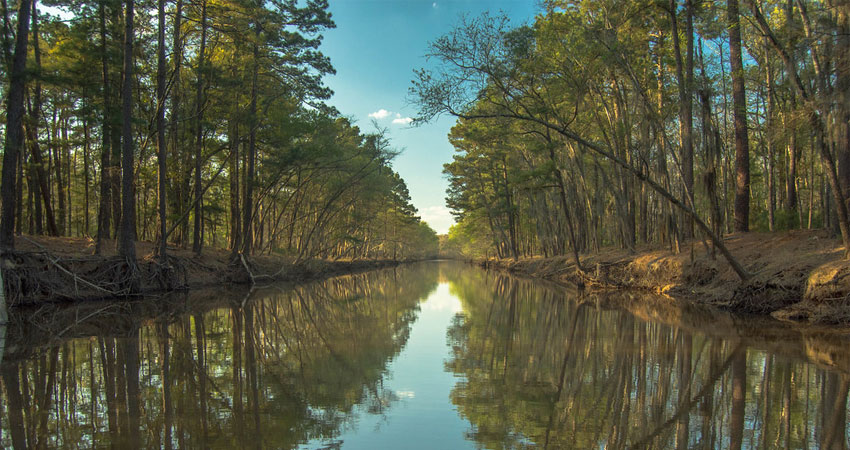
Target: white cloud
x=380, y=114
x=383, y=114
x=434, y=5
x=438, y=217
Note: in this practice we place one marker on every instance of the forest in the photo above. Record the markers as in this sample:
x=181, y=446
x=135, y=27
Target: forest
x=192, y=124
x=622, y=123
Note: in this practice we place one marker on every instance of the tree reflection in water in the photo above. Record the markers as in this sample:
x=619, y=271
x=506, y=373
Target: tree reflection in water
x=541, y=370
x=273, y=370
x=536, y=366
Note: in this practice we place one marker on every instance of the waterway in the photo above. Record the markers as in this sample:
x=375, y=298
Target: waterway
x=436, y=355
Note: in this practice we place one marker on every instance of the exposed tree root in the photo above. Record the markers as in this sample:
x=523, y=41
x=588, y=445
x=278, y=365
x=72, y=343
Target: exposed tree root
x=31, y=277
x=795, y=276
x=64, y=271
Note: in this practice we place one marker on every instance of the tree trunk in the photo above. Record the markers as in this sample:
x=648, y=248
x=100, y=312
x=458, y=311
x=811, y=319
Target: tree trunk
x=711, y=143
x=684, y=79
x=235, y=220
x=769, y=134
x=841, y=124
x=86, y=175
x=54, y=146
x=126, y=244
x=178, y=200
x=512, y=226
x=197, y=237
x=41, y=175
x=160, y=126
x=566, y=207
x=103, y=216
x=19, y=207
x=791, y=178
x=247, y=230
x=32, y=132
x=739, y=105
x=69, y=173
x=14, y=129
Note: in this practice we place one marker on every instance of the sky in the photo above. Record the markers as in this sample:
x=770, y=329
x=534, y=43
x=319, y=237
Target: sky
x=375, y=48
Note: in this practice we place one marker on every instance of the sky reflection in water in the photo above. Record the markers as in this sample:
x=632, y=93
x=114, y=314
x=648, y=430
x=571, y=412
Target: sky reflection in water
x=433, y=355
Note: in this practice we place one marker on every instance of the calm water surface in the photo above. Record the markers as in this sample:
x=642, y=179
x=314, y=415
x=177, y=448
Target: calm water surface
x=426, y=356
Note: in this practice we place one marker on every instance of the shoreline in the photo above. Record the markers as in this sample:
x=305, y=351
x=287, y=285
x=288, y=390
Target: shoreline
x=50, y=270
x=798, y=276
x=821, y=343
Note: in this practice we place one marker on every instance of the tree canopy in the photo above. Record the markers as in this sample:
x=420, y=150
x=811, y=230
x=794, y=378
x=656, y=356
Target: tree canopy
x=192, y=123
x=628, y=122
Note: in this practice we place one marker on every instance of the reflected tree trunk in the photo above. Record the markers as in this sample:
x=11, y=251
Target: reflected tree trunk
x=131, y=361
x=834, y=410
x=14, y=406
x=200, y=340
x=683, y=425
x=107, y=357
x=739, y=399
x=165, y=372
x=238, y=413
x=251, y=369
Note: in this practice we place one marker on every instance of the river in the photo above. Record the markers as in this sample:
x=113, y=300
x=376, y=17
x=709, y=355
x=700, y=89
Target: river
x=436, y=355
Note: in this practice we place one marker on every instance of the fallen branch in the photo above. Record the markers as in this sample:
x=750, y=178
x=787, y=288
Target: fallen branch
x=247, y=269
x=256, y=277
x=77, y=278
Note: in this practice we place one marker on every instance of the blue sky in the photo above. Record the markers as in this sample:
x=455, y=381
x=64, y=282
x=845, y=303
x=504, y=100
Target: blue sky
x=375, y=48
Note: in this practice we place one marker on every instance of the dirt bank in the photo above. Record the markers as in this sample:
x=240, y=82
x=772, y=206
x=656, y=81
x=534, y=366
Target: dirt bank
x=798, y=276
x=57, y=269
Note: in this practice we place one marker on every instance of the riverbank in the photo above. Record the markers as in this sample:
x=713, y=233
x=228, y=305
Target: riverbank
x=798, y=276
x=46, y=269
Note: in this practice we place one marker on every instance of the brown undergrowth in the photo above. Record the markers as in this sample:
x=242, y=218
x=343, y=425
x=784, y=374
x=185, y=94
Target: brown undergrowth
x=798, y=276
x=57, y=268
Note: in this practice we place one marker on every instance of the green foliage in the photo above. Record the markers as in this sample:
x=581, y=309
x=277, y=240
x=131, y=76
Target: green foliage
x=320, y=187
x=560, y=123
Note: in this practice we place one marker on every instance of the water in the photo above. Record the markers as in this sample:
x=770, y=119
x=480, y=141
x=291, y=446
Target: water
x=432, y=355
